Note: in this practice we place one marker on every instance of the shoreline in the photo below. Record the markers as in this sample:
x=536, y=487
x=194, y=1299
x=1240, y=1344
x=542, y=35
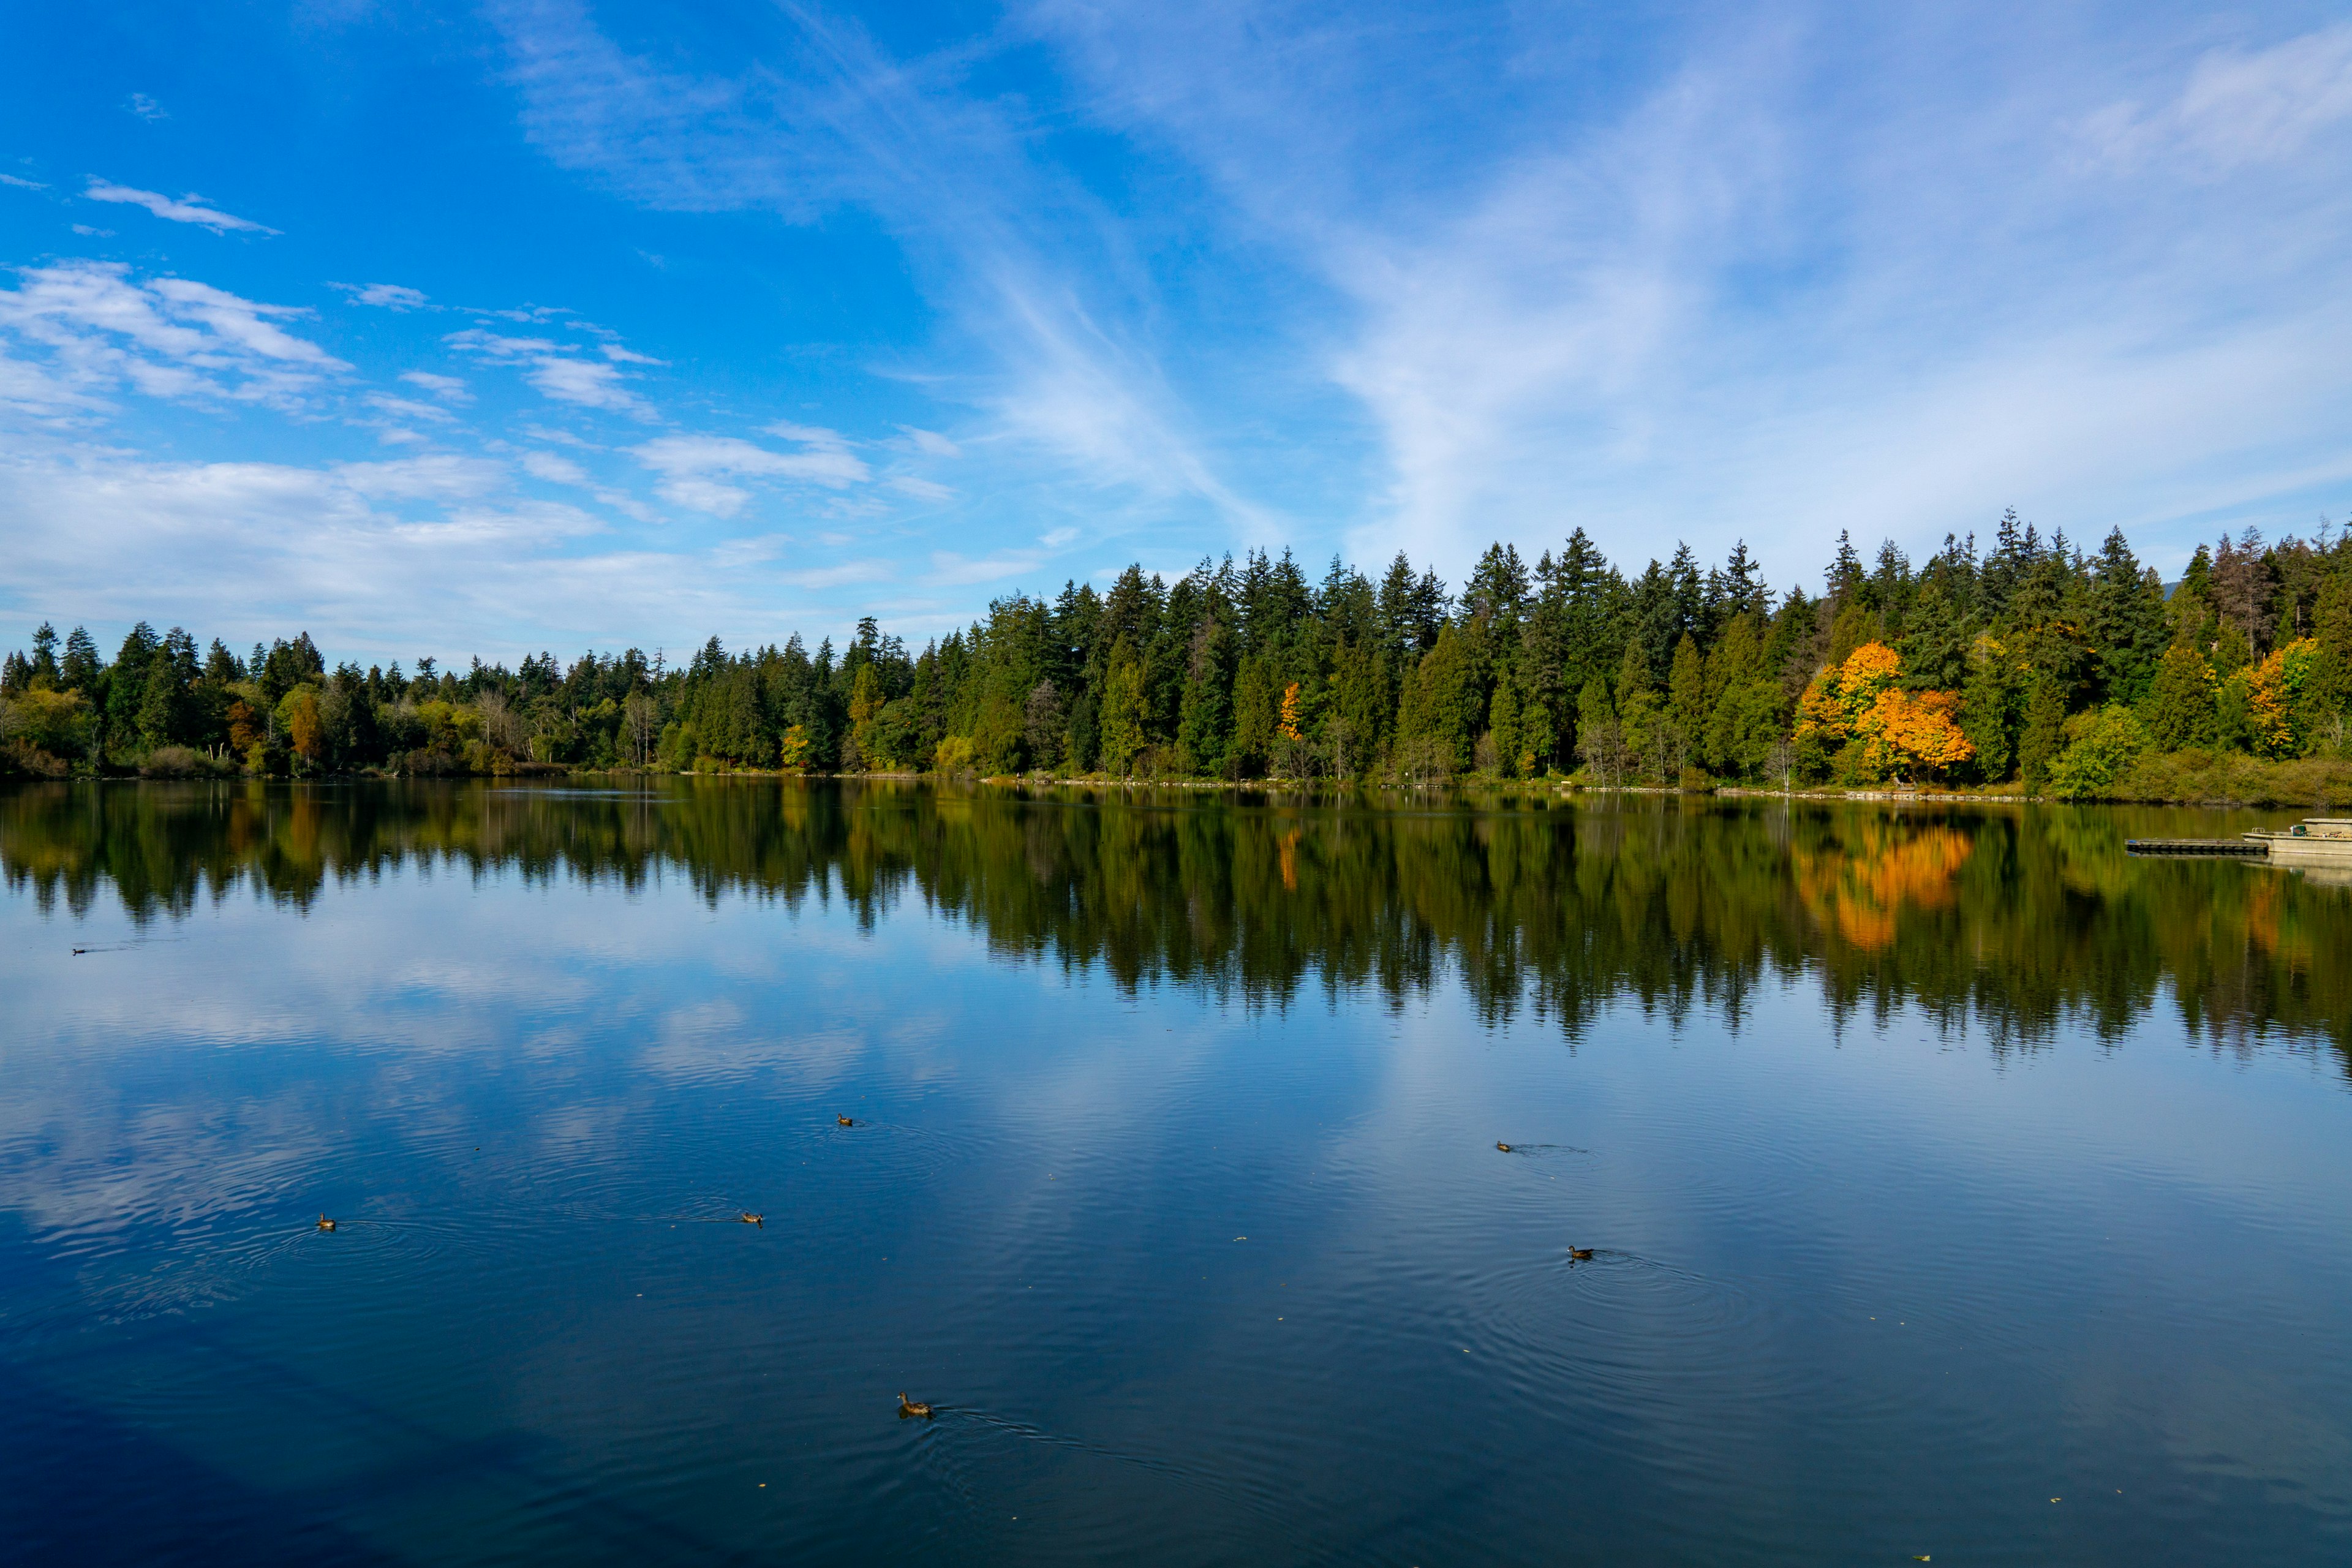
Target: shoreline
x=1557, y=788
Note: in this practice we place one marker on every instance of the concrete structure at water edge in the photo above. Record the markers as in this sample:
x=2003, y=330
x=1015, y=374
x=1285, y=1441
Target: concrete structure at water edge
x=2325, y=840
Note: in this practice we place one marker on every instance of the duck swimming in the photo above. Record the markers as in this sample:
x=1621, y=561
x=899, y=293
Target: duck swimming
x=912, y=1407
x=845, y=1121
x=326, y=1224
x=1506, y=1148
x=747, y=1217
x=1581, y=1254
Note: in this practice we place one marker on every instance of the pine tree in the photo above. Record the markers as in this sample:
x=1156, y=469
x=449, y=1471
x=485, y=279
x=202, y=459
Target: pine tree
x=1503, y=729
x=1934, y=643
x=2185, y=699
x=2044, y=734
x=1123, y=709
x=2330, y=692
x=1599, y=743
x=1687, y=691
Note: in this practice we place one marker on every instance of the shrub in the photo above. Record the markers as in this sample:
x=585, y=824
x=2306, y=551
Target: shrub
x=172, y=763
x=2102, y=748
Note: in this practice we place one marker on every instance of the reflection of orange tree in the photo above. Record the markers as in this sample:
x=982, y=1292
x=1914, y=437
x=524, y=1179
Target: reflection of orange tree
x=1863, y=890
x=1857, y=711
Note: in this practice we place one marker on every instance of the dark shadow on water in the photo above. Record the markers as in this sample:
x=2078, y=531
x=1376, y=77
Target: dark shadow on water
x=80, y=1486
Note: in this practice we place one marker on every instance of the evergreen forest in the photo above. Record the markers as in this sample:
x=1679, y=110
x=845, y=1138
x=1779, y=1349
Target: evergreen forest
x=2029, y=665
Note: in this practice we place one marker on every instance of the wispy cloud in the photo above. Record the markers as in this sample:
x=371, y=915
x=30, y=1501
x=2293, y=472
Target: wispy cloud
x=190, y=208
x=99, y=328
x=2237, y=108
x=558, y=371
x=387, y=296
x=432, y=552
x=948, y=171
x=409, y=408
x=701, y=472
x=555, y=468
x=448, y=388
x=145, y=107
x=949, y=570
x=931, y=443
x=920, y=488
x=1751, y=286
x=21, y=183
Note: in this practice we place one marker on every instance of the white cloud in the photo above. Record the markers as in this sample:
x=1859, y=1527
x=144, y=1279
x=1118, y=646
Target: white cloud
x=382, y=556
x=588, y=385
x=949, y=570
x=409, y=408
x=699, y=494
x=920, y=488
x=389, y=296
x=22, y=183
x=145, y=107
x=448, y=388
x=2236, y=109
x=693, y=465
x=554, y=469
x=171, y=337
x=443, y=476
x=1058, y=538
x=557, y=373
x=190, y=208
x=956, y=180
x=931, y=442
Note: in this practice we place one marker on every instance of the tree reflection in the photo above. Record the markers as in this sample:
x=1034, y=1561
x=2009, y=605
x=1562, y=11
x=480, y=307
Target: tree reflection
x=2011, y=919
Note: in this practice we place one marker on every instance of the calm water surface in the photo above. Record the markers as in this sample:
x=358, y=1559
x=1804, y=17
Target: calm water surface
x=1954, y=1186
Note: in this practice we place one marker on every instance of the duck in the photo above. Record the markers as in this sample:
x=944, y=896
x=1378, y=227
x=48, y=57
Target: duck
x=326, y=1224
x=1506, y=1148
x=747, y=1217
x=913, y=1407
x=1581, y=1254
x=844, y=1122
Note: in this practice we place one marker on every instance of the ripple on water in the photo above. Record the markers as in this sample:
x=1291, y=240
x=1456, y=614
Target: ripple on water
x=1617, y=1324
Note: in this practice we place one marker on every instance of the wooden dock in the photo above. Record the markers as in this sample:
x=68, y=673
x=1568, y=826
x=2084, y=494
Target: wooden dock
x=2236, y=848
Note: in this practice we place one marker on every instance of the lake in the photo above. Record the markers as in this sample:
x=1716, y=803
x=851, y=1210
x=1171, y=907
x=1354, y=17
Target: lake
x=1956, y=1187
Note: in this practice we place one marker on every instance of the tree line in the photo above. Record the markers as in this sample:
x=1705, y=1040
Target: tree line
x=2030, y=662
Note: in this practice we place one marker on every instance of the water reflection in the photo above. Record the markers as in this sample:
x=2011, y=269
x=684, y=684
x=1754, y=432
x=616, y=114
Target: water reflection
x=2017, y=918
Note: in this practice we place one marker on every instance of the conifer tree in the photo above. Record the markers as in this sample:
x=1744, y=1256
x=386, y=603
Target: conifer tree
x=2043, y=735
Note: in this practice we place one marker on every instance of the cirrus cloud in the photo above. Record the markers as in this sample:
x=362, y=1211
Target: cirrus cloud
x=190, y=208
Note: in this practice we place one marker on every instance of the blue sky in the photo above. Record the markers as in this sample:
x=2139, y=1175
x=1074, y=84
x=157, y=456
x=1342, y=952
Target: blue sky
x=558, y=324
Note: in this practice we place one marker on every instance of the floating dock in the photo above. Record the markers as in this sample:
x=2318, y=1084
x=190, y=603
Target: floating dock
x=2235, y=849
x=2315, y=840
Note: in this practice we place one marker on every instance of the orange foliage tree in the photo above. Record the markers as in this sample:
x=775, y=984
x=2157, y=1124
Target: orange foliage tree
x=303, y=728
x=1858, y=705
x=1912, y=730
x=2275, y=689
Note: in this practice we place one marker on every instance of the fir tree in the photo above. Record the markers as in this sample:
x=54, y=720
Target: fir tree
x=2045, y=733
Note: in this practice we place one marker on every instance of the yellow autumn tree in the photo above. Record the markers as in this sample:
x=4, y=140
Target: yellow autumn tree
x=1287, y=727
x=297, y=710
x=1856, y=710
x=2275, y=689
x=1912, y=730
x=866, y=702
x=1840, y=695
